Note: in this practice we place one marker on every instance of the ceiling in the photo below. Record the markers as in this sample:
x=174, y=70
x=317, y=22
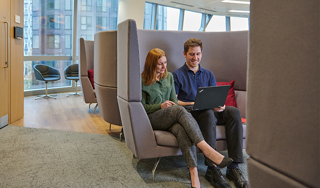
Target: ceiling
x=214, y=7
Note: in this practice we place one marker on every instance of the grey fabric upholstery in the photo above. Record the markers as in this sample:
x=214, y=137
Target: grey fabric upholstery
x=224, y=53
x=46, y=73
x=86, y=63
x=133, y=46
x=105, y=75
x=71, y=72
x=283, y=94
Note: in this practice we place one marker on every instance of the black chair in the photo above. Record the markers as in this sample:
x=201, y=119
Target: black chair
x=71, y=72
x=47, y=74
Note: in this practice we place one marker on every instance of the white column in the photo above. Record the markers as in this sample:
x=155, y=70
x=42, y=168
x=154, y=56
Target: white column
x=131, y=9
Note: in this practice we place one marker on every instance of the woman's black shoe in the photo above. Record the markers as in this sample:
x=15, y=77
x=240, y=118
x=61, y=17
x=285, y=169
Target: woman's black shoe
x=225, y=162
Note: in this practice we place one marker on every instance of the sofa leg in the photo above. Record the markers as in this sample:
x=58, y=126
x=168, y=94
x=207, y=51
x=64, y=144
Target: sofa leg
x=95, y=108
x=155, y=167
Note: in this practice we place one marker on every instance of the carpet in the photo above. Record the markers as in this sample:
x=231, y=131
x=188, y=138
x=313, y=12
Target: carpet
x=46, y=158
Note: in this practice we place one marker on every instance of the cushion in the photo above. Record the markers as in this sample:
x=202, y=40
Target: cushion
x=231, y=101
x=90, y=74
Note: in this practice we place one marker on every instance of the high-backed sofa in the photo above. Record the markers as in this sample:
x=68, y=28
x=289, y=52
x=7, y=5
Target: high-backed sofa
x=87, y=63
x=224, y=53
x=283, y=95
x=105, y=75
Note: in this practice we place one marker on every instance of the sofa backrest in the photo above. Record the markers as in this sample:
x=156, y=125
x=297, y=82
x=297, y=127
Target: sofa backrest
x=105, y=75
x=224, y=53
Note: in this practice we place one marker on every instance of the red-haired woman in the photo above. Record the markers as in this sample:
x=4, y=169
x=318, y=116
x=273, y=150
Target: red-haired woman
x=160, y=102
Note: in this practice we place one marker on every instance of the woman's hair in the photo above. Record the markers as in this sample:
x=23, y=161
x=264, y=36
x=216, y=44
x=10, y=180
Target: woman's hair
x=150, y=67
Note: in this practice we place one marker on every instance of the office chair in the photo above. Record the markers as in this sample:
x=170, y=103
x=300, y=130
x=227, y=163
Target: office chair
x=71, y=72
x=47, y=74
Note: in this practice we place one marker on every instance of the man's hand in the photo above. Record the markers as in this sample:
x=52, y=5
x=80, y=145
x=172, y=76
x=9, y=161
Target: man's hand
x=220, y=109
x=167, y=104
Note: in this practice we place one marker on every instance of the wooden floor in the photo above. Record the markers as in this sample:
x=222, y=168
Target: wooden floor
x=66, y=114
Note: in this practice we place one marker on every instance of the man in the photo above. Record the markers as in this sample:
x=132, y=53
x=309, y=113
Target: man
x=187, y=80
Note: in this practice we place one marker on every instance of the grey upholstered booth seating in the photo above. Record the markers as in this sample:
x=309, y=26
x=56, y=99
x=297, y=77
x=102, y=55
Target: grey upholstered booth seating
x=71, y=72
x=283, y=95
x=105, y=75
x=46, y=74
x=224, y=53
x=87, y=63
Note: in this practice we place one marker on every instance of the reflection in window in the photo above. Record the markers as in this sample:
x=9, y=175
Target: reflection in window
x=101, y=24
x=149, y=12
x=192, y=21
x=239, y=24
x=85, y=5
x=53, y=22
x=53, y=41
x=217, y=23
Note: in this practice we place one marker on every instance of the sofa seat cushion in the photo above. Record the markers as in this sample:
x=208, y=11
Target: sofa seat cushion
x=165, y=138
x=221, y=132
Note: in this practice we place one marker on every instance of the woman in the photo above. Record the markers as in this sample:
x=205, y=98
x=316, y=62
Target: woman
x=160, y=102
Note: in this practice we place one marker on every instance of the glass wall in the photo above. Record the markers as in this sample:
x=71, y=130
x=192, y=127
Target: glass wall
x=239, y=24
x=50, y=36
x=192, y=21
x=173, y=15
x=217, y=23
x=170, y=18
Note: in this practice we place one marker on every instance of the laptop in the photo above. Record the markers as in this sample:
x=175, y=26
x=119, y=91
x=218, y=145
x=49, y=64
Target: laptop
x=211, y=97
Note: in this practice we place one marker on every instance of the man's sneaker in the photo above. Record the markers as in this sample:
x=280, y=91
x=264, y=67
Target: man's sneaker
x=215, y=177
x=236, y=175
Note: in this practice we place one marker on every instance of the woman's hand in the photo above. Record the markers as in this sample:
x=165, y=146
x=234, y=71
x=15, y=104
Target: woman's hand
x=220, y=109
x=167, y=104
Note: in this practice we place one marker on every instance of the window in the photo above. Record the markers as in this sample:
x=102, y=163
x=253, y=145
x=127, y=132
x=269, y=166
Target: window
x=67, y=22
x=67, y=41
x=49, y=32
x=217, y=23
x=239, y=24
x=173, y=15
x=161, y=23
x=192, y=21
x=85, y=5
x=86, y=23
x=102, y=6
x=35, y=5
x=149, y=11
x=35, y=22
x=86, y=37
x=53, y=4
x=53, y=22
x=68, y=5
x=53, y=41
x=101, y=24
x=35, y=41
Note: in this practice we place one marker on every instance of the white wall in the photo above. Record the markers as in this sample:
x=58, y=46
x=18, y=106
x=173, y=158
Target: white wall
x=131, y=9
